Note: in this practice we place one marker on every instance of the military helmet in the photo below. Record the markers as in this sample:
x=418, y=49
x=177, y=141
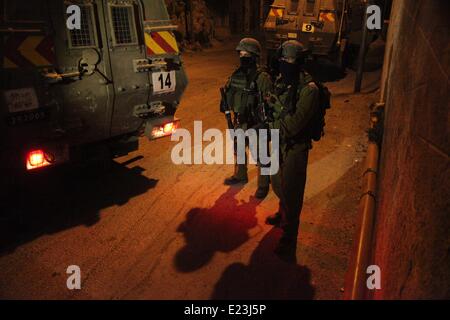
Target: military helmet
x=250, y=45
x=292, y=49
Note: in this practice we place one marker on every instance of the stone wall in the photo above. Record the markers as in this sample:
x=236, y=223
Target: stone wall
x=412, y=237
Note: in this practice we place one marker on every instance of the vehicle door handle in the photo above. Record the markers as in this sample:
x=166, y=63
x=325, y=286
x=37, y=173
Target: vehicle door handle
x=54, y=77
x=144, y=65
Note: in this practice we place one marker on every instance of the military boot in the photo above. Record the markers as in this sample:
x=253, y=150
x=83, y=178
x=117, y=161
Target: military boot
x=263, y=186
x=286, y=249
x=274, y=220
x=261, y=192
x=240, y=176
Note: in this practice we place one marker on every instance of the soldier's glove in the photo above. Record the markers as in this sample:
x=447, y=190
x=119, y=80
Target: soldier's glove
x=275, y=105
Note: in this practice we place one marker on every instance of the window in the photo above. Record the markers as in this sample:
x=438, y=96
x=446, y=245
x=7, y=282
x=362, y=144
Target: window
x=293, y=7
x=123, y=24
x=309, y=8
x=84, y=37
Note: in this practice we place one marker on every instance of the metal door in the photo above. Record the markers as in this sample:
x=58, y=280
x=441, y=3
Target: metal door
x=83, y=79
x=125, y=38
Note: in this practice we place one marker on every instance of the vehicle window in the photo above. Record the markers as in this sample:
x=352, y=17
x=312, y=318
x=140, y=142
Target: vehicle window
x=309, y=7
x=17, y=11
x=86, y=36
x=123, y=24
x=293, y=7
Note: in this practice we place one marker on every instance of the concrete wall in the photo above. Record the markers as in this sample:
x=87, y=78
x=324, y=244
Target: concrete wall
x=412, y=237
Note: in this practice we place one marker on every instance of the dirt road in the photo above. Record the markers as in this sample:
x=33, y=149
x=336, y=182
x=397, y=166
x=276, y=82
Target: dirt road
x=149, y=229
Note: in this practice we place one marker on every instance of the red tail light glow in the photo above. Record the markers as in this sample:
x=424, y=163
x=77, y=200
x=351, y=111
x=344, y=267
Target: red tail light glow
x=166, y=129
x=169, y=127
x=37, y=159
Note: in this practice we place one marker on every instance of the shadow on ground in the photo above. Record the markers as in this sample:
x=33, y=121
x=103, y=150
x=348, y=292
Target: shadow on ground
x=64, y=198
x=266, y=277
x=222, y=228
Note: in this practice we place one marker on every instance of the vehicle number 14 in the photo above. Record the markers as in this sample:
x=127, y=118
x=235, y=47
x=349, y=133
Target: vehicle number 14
x=164, y=82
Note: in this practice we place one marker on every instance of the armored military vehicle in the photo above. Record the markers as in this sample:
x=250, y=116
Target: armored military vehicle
x=323, y=26
x=69, y=88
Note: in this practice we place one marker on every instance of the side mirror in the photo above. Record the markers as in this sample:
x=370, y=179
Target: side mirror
x=89, y=61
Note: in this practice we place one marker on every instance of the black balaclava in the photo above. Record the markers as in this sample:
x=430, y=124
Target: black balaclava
x=248, y=62
x=290, y=72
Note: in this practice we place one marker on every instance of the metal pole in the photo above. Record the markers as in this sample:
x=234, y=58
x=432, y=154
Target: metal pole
x=355, y=282
x=355, y=288
x=344, y=9
x=362, y=51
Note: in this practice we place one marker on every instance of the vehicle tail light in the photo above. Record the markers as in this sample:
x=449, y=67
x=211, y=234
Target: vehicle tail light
x=37, y=159
x=166, y=129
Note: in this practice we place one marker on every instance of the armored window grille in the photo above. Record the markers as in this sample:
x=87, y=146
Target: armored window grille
x=309, y=7
x=85, y=36
x=124, y=25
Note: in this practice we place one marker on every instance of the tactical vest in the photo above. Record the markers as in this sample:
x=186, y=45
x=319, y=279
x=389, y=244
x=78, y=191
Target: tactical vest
x=242, y=91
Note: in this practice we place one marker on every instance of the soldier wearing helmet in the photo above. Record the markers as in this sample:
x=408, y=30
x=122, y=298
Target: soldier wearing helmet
x=294, y=100
x=242, y=91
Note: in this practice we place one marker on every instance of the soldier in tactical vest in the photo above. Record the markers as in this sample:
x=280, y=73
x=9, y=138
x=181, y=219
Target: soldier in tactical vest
x=242, y=93
x=294, y=102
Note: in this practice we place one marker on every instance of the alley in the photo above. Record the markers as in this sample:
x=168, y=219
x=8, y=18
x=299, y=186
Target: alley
x=148, y=229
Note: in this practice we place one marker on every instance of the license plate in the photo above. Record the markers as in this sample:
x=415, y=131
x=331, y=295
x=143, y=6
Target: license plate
x=292, y=35
x=27, y=117
x=20, y=100
x=164, y=82
x=307, y=27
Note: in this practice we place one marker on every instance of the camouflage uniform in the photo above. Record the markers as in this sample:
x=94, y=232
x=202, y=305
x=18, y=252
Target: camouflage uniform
x=242, y=93
x=293, y=106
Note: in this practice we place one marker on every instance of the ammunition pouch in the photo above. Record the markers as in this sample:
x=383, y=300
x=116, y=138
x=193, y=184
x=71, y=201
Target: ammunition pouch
x=242, y=93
